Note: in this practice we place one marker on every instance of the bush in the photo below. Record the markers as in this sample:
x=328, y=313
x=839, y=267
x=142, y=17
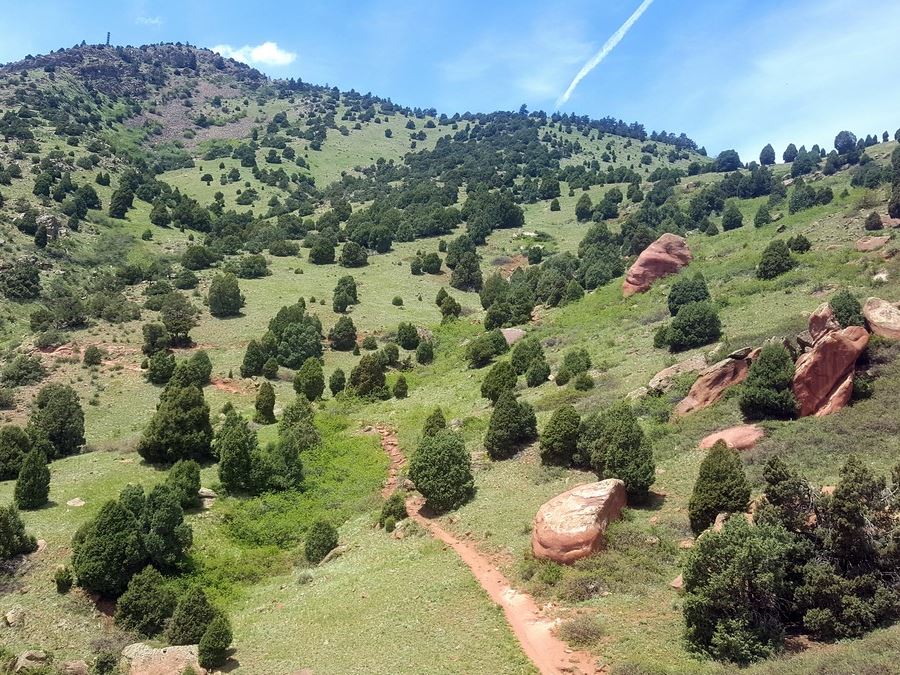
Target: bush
x=401, y=389
x=799, y=244
x=581, y=631
x=59, y=417
x=179, y=429
x=160, y=368
x=407, y=336
x=108, y=551
x=695, y=325
x=193, y=615
x=562, y=377
x=512, y=424
x=559, y=439
x=614, y=445
x=538, y=373
x=500, y=378
x=212, y=651
x=485, y=347
x=321, y=539
x=146, y=604
x=342, y=335
x=23, y=370
x=14, y=540
x=270, y=368
x=577, y=361
x=732, y=218
x=265, y=404
x=353, y=255
x=93, y=356
x=33, y=484
x=337, y=381
x=394, y=508
x=441, y=470
x=63, y=579
x=721, y=487
x=14, y=445
x=367, y=377
x=434, y=423
x=685, y=290
x=310, y=380
x=775, y=261
x=762, y=217
x=847, y=309
x=524, y=352
x=583, y=382
x=184, y=479
x=873, y=222
x=225, y=298
x=397, y=301
x=767, y=390
x=424, y=353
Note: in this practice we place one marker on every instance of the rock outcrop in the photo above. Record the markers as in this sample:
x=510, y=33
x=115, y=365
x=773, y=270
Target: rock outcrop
x=714, y=380
x=512, y=335
x=143, y=659
x=822, y=322
x=665, y=378
x=823, y=380
x=883, y=318
x=741, y=437
x=867, y=244
x=665, y=256
x=571, y=525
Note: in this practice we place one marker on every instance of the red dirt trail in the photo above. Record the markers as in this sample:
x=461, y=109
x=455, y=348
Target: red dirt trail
x=550, y=655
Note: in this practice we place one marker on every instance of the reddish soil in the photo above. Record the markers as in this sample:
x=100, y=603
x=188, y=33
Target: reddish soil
x=534, y=631
x=226, y=385
x=508, y=268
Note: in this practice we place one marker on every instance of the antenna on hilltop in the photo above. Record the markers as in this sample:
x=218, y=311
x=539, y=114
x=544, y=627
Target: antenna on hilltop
x=107, y=38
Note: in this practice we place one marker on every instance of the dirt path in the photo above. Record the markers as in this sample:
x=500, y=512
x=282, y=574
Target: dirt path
x=534, y=631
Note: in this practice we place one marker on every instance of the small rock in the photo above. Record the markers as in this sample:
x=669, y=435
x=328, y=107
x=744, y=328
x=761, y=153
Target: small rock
x=74, y=668
x=207, y=493
x=29, y=661
x=686, y=544
x=883, y=318
x=677, y=583
x=15, y=617
x=77, y=501
x=867, y=244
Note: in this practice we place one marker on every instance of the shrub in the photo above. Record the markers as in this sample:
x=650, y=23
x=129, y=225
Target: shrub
x=23, y=370
x=762, y=217
x=562, y=377
x=93, y=356
x=337, y=381
x=270, y=368
x=212, y=651
x=33, y=484
x=394, y=508
x=59, y=417
x=265, y=404
x=397, y=301
x=424, y=353
x=236, y=446
x=524, y=352
x=767, y=390
x=512, y=424
x=14, y=445
x=407, y=336
x=581, y=631
x=732, y=218
x=179, y=429
x=184, y=479
x=685, y=290
x=367, y=377
x=353, y=255
x=614, y=445
x=537, y=373
x=500, y=378
x=108, y=551
x=342, y=335
x=799, y=244
x=321, y=539
x=63, y=579
x=695, y=325
x=847, y=309
x=193, y=615
x=146, y=604
x=441, y=470
x=160, y=368
x=400, y=389
x=166, y=536
x=559, y=439
x=873, y=222
x=577, y=361
x=776, y=260
x=309, y=381
x=225, y=298
x=434, y=423
x=485, y=347
x=721, y=487
x=7, y=401
x=14, y=540
x=583, y=382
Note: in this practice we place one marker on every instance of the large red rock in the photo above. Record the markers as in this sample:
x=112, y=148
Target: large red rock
x=820, y=380
x=714, y=380
x=142, y=659
x=867, y=244
x=822, y=322
x=571, y=525
x=666, y=255
x=741, y=437
x=883, y=318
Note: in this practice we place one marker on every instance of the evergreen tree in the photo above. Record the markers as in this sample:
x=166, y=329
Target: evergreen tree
x=721, y=487
x=14, y=540
x=584, y=209
x=58, y=416
x=337, y=381
x=512, y=424
x=467, y=273
x=254, y=359
x=265, y=404
x=559, y=439
x=424, y=353
x=732, y=218
x=193, y=615
x=776, y=260
x=225, y=298
x=847, y=309
x=538, y=373
x=342, y=335
x=367, y=377
x=767, y=390
x=687, y=289
x=321, y=539
x=184, y=479
x=762, y=217
x=524, y=352
x=310, y=380
x=407, y=336
x=160, y=367
x=146, y=604
x=235, y=444
x=33, y=485
x=212, y=650
x=14, y=445
x=501, y=377
x=790, y=153
x=108, y=551
x=441, y=470
x=696, y=324
x=767, y=155
x=401, y=389
x=167, y=537
x=180, y=428
x=434, y=423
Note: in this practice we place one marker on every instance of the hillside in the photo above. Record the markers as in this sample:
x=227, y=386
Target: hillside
x=161, y=205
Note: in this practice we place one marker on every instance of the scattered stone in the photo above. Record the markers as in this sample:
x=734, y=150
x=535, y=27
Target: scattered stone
x=686, y=544
x=822, y=322
x=828, y=489
x=146, y=660
x=77, y=501
x=571, y=525
x=677, y=583
x=821, y=379
x=881, y=277
x=665, y=379
x=867, y=244
x=74, y=668
x=512, y=335
x=207, y=497
x=665, y=256
x=336, y=552
x=883, y=318
x=741, y=437
x=32, y=660
x=14, y=617
x=635, y=394
x=714, y=380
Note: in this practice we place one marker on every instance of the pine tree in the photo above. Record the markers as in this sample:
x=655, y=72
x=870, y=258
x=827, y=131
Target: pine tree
x=310, y=380
x=721, y=486
x=212, y=651
x=180, y=428
x=167, y=537
x=59, y=417
x=13, y=537
x=184, y=479
x=193, y=615
x=146, y=604
x=337, y=381
x=434, y=423
x=254, y=360
x=441, y=470
x=225, y=298
x=33, y=485
x=108, y=551
x=235, y=443
x=512, y=424
x=559, y=439
x=501, y=377
x=400, y=389
x=265, y=404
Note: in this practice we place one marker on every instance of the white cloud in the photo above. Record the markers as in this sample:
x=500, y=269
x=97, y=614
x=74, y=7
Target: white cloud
x=267, y=54
x=149, y=21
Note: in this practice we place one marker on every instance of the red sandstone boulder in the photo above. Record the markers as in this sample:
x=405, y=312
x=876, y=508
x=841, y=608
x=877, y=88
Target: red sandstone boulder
x=741, y=437
x=666, y=255
x=143, y=659
x=822, y=322
x=713, y=381
x=821, y=377
x=867, y=244
x=665, y=378
x=571, y=525
x=883, y=318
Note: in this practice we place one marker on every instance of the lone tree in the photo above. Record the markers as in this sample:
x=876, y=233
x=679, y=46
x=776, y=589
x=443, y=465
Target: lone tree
x=767, y=155
x=265, y=404
x=512, y=424
x=732, y=218
x=441, y=470
x=225, y=297
x=559, y=439
x=337, y=381
x=407, y=336
x=179, y=316
x=776, y=260
x=33, y=485
x=721, y=487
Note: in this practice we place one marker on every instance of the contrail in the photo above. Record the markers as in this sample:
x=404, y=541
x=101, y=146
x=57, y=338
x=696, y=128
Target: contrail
x=614, y=40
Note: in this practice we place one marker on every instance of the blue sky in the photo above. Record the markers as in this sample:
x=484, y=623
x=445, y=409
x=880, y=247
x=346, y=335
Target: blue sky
x=729, y=73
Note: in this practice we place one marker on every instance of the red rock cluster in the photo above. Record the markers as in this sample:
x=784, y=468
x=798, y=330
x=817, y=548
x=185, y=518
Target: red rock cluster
x=665, y=256
x=714, y=380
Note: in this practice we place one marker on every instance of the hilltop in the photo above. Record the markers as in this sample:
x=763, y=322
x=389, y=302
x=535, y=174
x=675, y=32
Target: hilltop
x=193, y=251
